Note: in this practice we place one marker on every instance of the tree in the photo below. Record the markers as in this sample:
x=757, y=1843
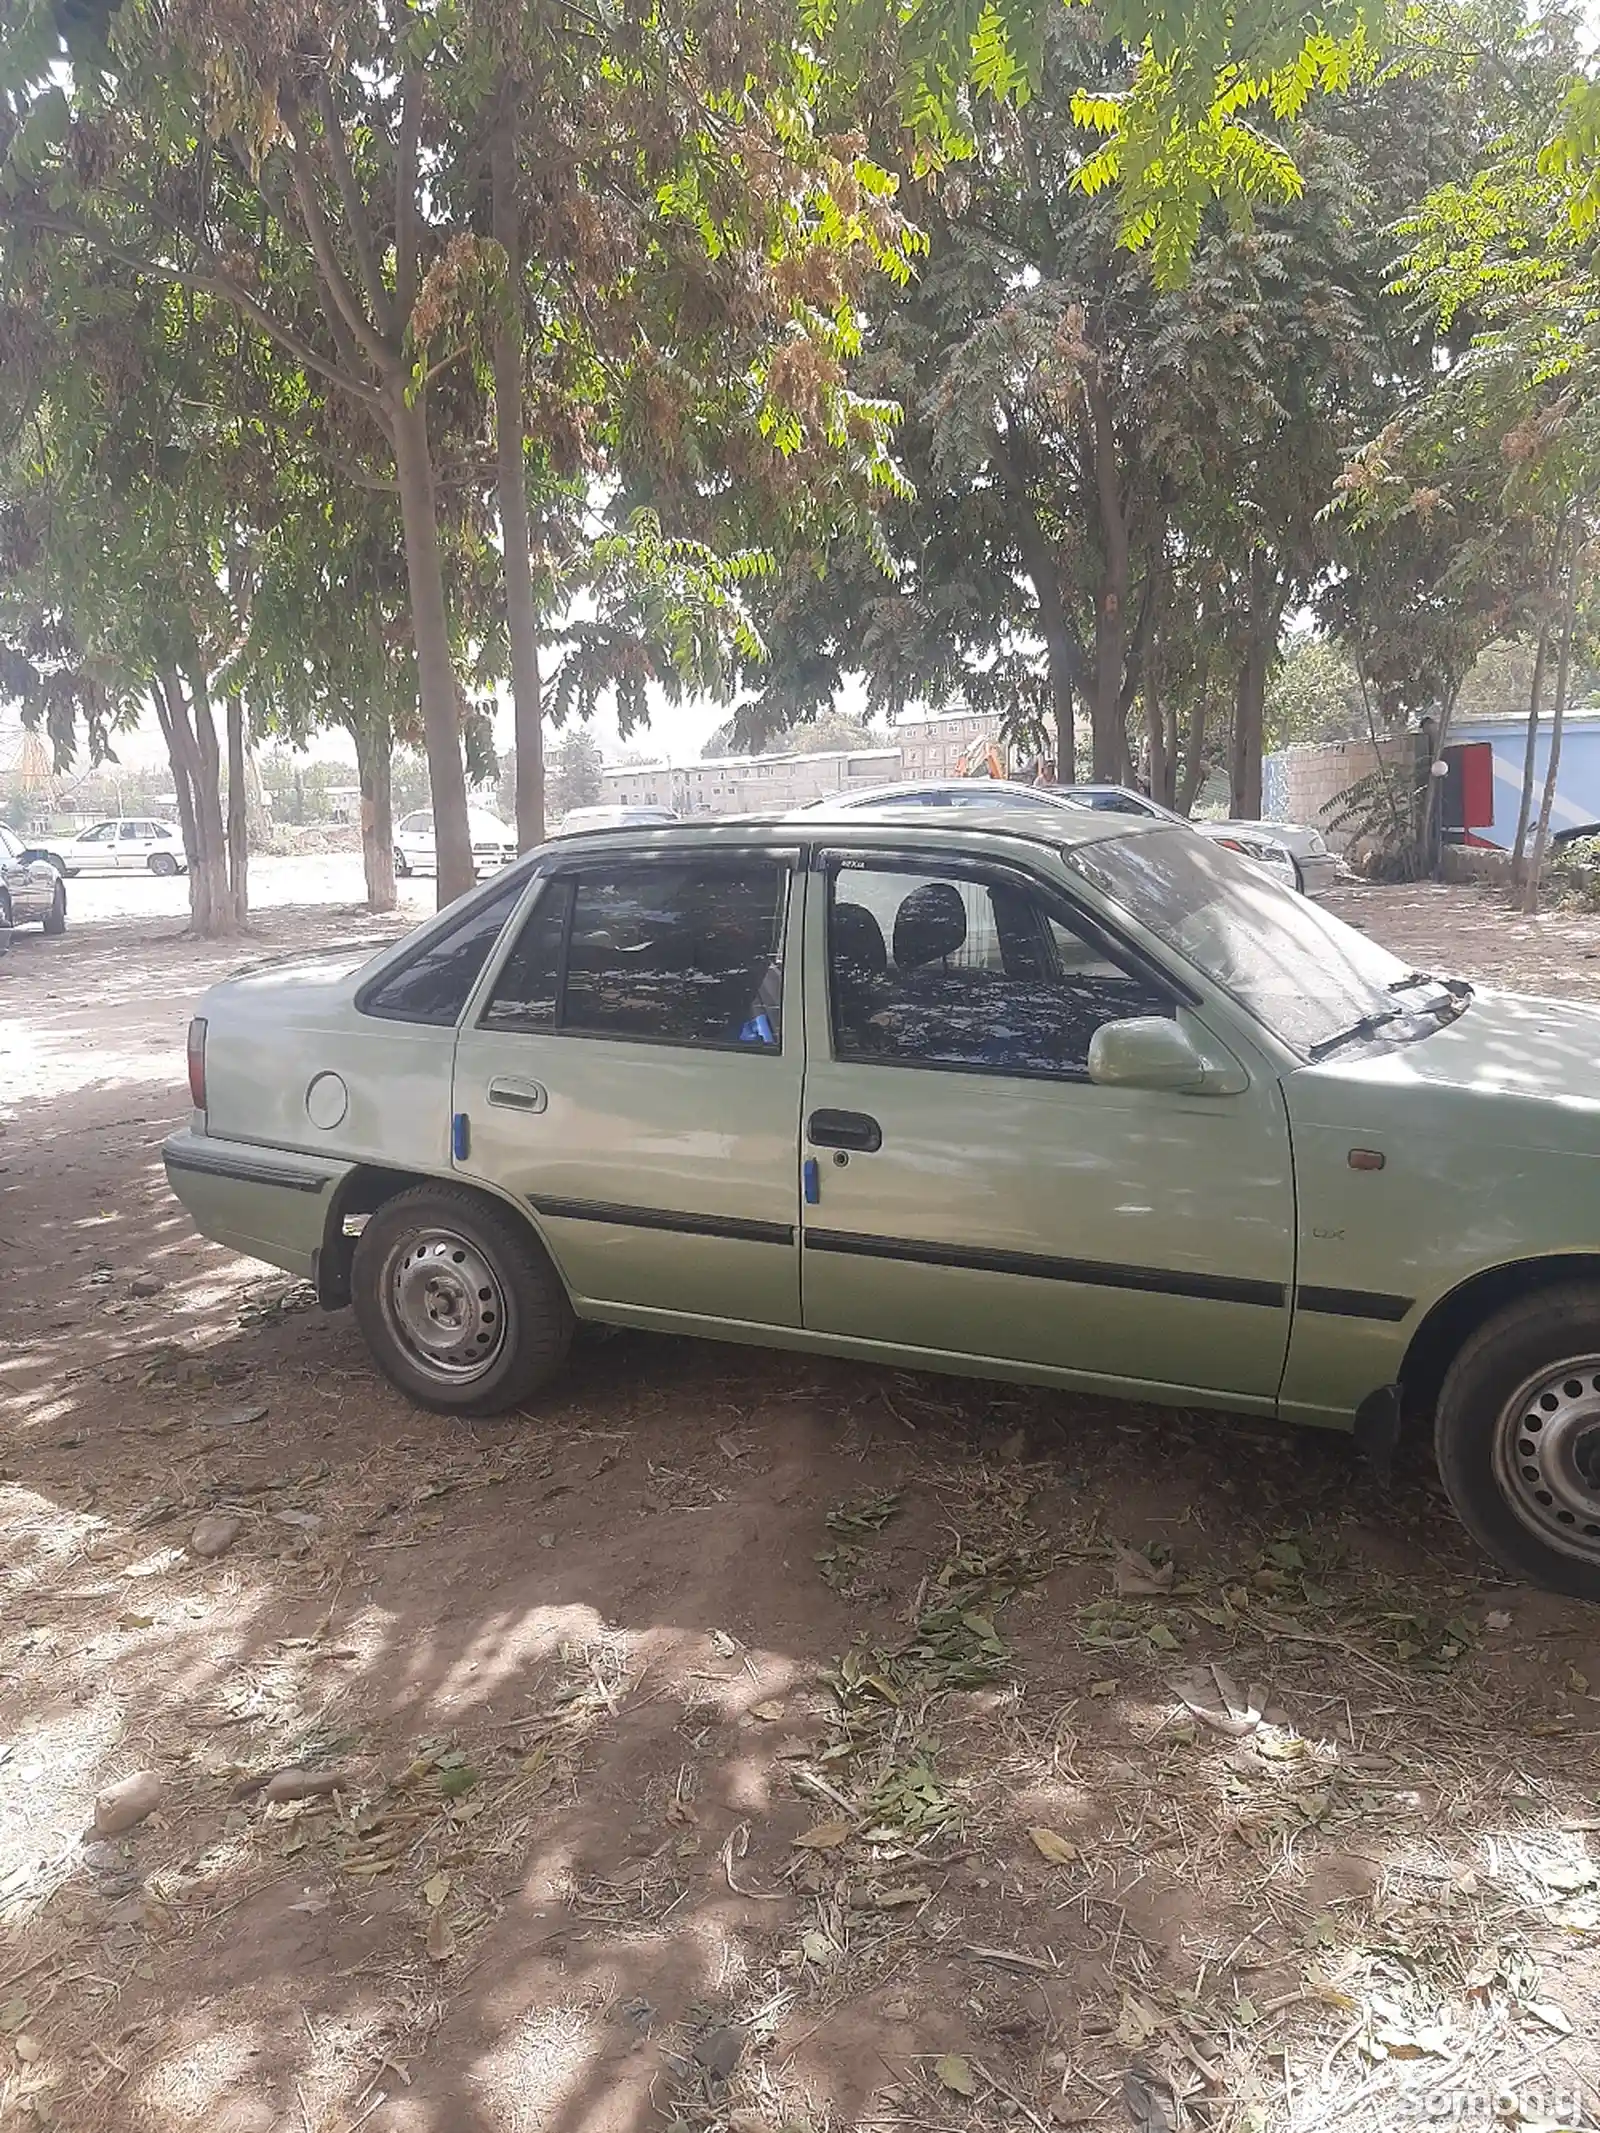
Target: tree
x=320, y=180
x=1099, y=464
x=1315, y=694
x=575, y=766
x=1506, y=441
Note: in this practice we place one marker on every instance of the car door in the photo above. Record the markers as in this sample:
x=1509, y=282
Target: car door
x=132, y=848
x=95, y=852
x=970, y=1192
x=632, y=1071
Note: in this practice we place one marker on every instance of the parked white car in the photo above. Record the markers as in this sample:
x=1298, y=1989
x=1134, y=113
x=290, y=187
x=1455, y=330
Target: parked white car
x=493, y=842
x=132, y=845
x=1314, y=867
x=611, y=818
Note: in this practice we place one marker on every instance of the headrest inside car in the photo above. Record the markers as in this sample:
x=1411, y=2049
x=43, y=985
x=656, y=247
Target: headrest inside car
x=930, y=924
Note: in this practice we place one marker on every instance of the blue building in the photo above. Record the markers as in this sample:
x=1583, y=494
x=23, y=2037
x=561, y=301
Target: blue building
x=1484, y=786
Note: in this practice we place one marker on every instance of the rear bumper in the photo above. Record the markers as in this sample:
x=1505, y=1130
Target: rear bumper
x=272, y=1203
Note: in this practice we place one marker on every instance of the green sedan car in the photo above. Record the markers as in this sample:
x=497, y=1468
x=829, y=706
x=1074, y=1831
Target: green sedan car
x=1081, y=1103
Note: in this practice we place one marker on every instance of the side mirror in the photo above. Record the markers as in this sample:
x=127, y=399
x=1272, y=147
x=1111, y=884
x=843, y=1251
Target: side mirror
x=1148, y=1052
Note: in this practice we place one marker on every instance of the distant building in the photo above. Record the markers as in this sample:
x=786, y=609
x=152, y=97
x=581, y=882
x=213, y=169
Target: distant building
x=935, y=745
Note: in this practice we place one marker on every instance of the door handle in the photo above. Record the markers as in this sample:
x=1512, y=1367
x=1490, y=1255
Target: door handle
x=513, y=1095
x=845, y=1129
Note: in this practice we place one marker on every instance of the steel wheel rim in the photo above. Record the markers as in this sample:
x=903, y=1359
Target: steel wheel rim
x=445, y=1305
x=1547, y=1456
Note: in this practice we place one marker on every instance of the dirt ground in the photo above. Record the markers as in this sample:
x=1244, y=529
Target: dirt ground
x=737, y=1742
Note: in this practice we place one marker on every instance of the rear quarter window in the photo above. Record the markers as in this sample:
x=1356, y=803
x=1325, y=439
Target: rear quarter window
x=432, y=984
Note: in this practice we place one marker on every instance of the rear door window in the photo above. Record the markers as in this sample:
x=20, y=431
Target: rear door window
x=687, y=952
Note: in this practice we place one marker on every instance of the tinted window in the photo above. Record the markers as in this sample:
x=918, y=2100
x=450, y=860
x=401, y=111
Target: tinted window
x=961, y=970
x=433, y=983
x=678, y=954
x=524, y=994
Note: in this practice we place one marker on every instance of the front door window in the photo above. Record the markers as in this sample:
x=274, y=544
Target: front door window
x=970, y=972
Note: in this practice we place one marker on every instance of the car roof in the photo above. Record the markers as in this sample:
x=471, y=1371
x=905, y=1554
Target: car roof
x=970, y=789
x=1051, y=827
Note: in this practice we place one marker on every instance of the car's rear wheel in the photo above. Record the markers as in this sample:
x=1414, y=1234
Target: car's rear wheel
x=164, y=864
x=1518, y=1438
x=458, y=1303
x=6, y=919
x=55, y=919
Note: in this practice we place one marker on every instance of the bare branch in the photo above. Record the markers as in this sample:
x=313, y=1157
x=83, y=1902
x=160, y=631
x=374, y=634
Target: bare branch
x=334, y=277
x=215, y=282
x=355, y=207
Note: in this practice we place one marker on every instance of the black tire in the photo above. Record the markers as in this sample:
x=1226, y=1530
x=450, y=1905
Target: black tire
x=55, y=860
x=402, y=864
x=531, y=1317
x=1515, y=1416
x=55, y=919
x=6, y=919
x=164, y=864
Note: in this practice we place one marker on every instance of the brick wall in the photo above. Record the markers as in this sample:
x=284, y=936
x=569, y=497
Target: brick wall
x=1301, y=783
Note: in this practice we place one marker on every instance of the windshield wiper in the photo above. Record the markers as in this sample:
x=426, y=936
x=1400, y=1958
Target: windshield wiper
x=1457, y=993
x=1364, y=1028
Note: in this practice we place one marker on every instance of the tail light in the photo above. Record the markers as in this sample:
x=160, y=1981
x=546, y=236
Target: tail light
x=197, y=1062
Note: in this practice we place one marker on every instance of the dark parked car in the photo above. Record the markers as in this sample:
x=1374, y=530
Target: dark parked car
x=32, y=893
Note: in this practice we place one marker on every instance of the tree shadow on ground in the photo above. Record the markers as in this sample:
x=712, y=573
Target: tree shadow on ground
x=736, y=1740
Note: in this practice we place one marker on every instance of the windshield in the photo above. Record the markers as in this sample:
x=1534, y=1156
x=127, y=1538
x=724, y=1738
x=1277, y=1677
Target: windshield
x=1304, y=973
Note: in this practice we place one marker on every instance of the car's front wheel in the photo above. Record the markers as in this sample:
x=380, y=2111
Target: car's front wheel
x=1518, y=1438
x=164, y=864
x=402, y=864
x=55, y=919
x=458, y=1303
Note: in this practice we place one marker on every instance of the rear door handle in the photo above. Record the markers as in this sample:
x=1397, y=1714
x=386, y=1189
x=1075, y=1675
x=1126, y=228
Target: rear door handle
x=513, y=1095
x=845, y=1129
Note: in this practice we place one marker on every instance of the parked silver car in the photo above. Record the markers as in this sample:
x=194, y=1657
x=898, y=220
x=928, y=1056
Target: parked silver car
x=1252, y=841
x=1316, y=869
x=32, y=892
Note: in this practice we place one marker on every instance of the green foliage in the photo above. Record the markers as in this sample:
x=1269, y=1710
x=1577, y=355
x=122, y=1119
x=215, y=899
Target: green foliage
x=1575, y=874
x=1382, y=815
x=1314, y=696
x=574, y=768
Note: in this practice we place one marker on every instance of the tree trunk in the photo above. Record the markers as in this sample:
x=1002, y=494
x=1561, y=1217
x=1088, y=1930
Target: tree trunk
x=1558, y=718
x=1194, y=754
x=1530, y=754
x=197, y=779
x=1108, y=728
x=1432, y=832
x=1066, y=737
x=161, y=696
x=374, y=764
x=522, y=616
x=210, y=902
x=1155, y=729
x=238, y=835
x=1249, y=711
x=436, y=681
